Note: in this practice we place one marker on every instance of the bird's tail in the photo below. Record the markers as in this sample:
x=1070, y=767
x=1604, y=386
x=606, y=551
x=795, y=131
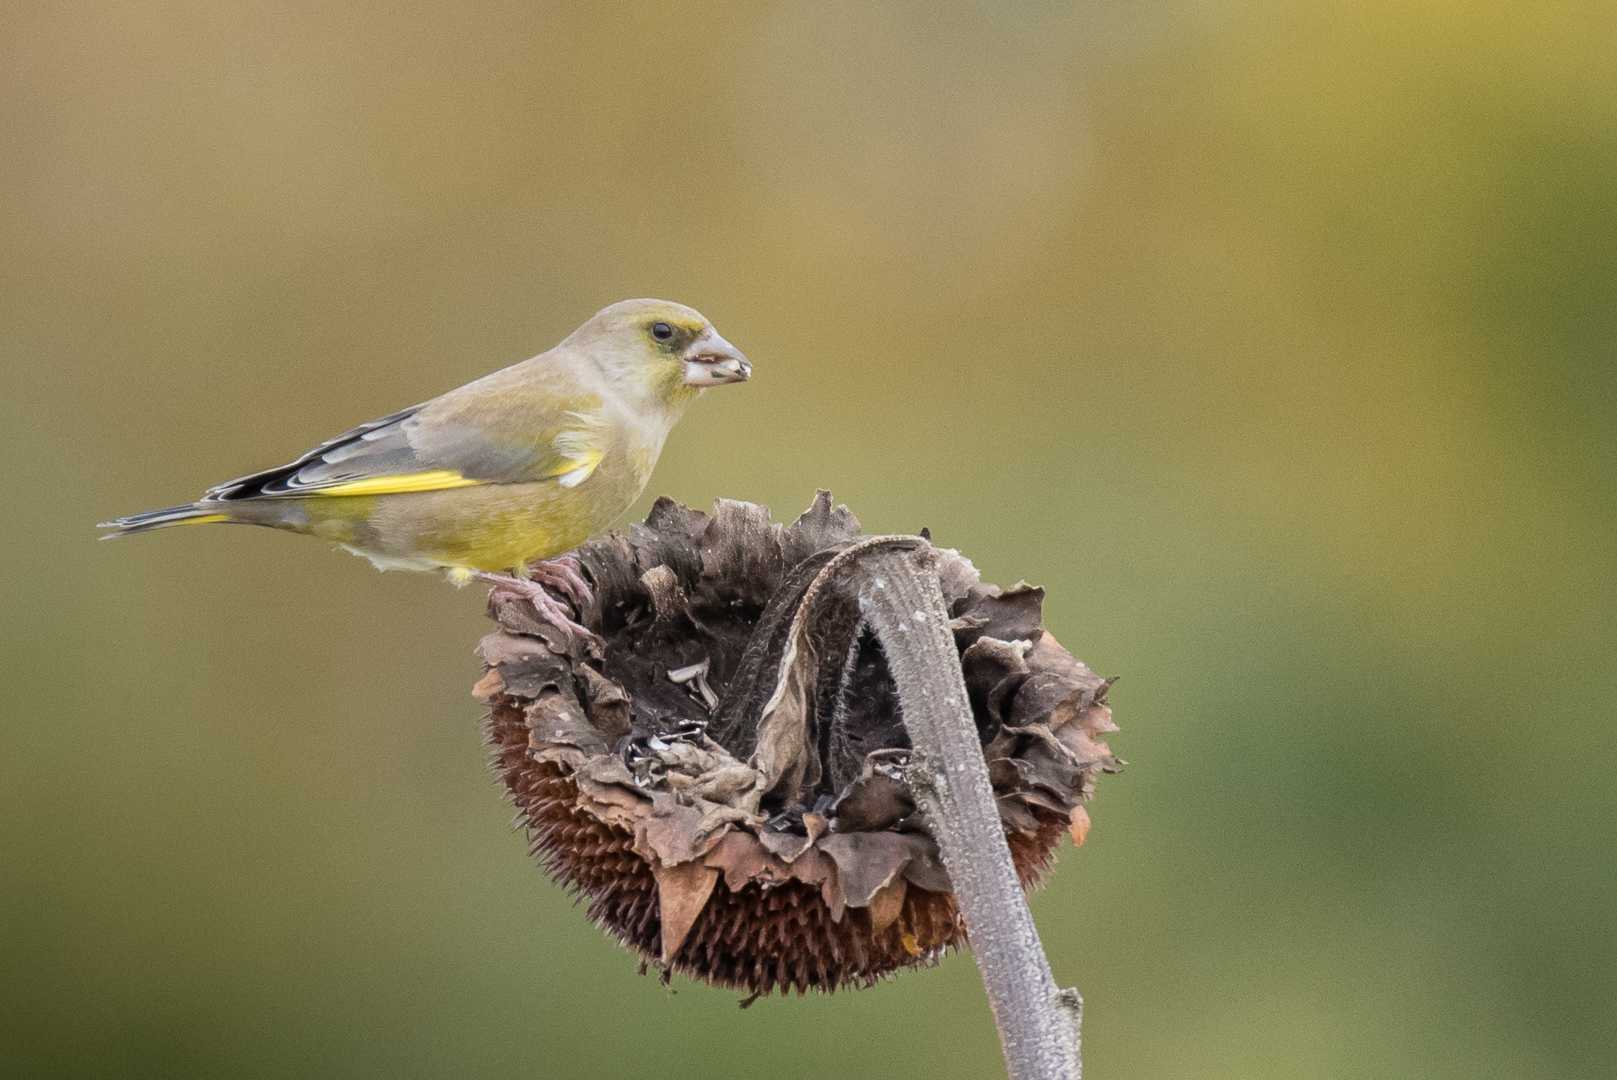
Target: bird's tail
x=190, y=514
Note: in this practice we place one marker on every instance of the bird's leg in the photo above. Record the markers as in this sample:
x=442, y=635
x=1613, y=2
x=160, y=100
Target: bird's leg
x=549, y=608
x=561, y=573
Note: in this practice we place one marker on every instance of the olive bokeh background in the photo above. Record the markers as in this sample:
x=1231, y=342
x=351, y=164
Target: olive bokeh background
x=1277, y=340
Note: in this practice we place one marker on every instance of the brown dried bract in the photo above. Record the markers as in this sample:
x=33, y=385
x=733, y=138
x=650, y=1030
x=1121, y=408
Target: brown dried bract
x=722, y=774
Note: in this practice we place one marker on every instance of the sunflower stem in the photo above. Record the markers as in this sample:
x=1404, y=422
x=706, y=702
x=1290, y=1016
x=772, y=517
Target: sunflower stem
x=1038, y=1022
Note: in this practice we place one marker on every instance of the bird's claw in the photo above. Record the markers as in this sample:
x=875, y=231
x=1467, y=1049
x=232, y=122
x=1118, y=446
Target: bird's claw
x=561, y=572
x=549, y=608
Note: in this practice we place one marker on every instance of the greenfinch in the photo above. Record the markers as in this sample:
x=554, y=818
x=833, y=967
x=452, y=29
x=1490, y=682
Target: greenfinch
x=493, y=481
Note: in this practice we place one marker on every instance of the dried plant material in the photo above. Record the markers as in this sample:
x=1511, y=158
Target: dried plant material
x=886, y=903
x=1079, y=826
x=695, y=677
x=682, y=892
x=489, y=685
x=722, y=774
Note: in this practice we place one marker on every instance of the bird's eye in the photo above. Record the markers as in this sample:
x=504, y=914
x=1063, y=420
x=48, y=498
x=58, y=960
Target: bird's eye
x=661, y=331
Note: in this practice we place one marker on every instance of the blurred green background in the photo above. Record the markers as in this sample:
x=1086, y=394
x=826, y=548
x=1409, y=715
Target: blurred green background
x=1278, y=340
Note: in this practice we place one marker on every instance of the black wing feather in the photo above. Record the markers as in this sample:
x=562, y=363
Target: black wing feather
x=282, y=479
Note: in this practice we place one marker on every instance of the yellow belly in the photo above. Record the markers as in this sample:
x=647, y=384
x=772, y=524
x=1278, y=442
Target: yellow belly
x=495, y=527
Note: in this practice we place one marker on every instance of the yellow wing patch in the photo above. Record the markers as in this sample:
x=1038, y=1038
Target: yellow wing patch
x=579, y=446
x=575, y=472
x=437, y=480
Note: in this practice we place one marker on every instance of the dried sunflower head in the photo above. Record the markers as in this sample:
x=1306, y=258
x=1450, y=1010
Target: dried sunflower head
x=722, y=776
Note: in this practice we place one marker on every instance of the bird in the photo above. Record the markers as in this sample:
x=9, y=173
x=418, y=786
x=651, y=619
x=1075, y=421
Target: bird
x=495, y=481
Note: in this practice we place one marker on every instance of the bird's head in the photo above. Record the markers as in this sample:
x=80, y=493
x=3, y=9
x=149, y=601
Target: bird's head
x=666, y=351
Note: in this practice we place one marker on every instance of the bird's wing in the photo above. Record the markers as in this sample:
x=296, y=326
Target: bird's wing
x=498, y=432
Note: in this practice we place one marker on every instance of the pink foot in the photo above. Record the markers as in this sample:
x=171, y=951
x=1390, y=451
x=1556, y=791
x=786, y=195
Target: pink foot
x=549, y=608
x=561, y=573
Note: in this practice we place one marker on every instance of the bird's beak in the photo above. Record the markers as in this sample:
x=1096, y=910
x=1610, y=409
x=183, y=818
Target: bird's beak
x=712, y=361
